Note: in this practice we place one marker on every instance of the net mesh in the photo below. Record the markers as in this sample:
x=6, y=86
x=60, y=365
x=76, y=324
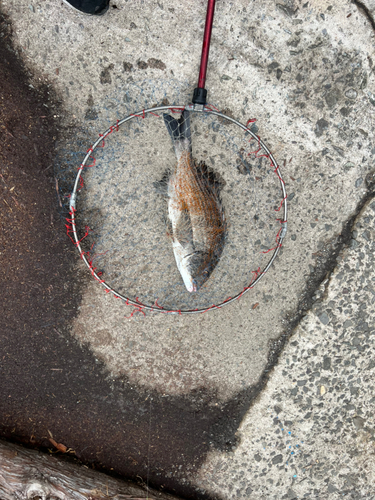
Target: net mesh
x=120, y=220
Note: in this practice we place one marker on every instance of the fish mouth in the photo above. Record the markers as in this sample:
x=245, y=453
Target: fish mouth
x=193, y=287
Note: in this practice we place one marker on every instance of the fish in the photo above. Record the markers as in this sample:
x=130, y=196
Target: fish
x=195, y=214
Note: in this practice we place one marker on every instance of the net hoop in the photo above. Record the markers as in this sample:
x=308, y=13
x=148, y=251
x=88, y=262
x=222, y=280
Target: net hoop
x=100, y=142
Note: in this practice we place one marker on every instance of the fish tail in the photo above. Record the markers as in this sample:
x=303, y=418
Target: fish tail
x=180, y=132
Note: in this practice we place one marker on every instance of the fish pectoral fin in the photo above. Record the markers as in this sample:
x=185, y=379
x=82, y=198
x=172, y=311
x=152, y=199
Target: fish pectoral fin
x=183, y=231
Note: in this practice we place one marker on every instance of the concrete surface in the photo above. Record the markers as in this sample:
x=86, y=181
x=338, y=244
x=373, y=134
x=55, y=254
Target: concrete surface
x=311, y=433
x=305, y=71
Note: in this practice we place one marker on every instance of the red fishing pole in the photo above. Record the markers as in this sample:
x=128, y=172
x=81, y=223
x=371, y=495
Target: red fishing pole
x=200, y=93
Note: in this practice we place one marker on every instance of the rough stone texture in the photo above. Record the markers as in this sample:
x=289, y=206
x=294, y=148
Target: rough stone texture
x=305, y=71
x=311, y=433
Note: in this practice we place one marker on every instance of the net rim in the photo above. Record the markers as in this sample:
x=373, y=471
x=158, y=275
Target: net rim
x=72, y=228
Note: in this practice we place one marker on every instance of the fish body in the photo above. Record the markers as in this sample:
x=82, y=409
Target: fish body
x=195, y=212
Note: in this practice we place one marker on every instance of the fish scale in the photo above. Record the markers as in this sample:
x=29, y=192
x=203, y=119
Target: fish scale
x=195, y=196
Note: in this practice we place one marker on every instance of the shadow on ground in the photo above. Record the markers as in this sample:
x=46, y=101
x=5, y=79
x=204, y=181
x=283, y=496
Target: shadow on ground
x=49, y=383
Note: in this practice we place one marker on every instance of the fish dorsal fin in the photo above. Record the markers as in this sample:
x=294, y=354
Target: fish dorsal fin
x=213, y=179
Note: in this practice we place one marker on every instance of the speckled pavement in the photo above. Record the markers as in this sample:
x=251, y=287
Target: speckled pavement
x=311, y=433
x=233, y=389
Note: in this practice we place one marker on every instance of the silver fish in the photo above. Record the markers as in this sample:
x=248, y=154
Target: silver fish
x=195, y=213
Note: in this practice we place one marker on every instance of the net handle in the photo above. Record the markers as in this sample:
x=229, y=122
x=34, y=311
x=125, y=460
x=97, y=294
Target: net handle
x=200, y=93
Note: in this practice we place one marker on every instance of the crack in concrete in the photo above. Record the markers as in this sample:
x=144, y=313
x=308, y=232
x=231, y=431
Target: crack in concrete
x=321, y=273
x=361, y=6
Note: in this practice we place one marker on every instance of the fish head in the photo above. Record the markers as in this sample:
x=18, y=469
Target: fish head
x=182, y=255
x=199, y=268
x=189, y=281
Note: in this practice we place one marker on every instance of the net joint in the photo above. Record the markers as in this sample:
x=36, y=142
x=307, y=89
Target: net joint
x=284, y=226
x=72, y=201
x=198, y=107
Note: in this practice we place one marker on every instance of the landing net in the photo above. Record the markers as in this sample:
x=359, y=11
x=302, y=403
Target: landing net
x=118, y=219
